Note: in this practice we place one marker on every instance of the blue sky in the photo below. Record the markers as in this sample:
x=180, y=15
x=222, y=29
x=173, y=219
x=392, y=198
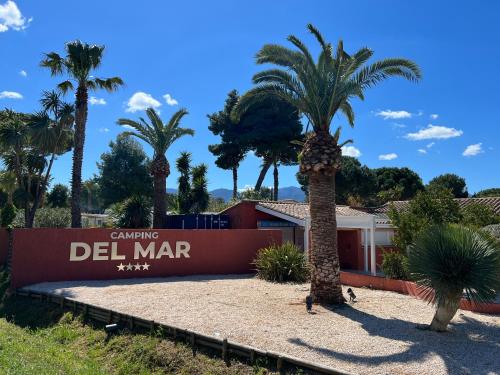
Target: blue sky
x=197, y=51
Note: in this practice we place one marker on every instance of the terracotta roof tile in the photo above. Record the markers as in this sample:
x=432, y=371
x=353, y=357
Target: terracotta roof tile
x=300, y=210
x=492, y=202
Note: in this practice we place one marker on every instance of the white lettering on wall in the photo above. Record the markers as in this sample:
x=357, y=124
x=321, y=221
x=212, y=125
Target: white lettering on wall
x=165, y=249
x=182, y=247
x=147, y=252
x=73, y=255
x=114, y=252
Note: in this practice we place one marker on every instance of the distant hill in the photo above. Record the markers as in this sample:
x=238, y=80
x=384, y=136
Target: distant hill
x=289, y=192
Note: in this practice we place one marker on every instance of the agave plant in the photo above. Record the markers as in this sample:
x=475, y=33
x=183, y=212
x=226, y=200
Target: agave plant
x=451, y=261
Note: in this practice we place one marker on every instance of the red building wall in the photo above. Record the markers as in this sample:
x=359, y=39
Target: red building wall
x=4, y=245
x=44, y=254
x=244, y=215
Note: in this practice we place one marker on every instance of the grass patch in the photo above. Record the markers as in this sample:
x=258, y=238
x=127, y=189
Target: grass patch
x=40, y=338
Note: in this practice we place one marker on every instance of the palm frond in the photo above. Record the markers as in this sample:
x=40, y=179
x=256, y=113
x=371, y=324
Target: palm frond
x=54, y=62
x=65, y=86
x=108, y=84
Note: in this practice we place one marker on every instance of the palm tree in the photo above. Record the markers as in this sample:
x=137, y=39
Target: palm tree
x=51, y=136
x=320, y=89
x=160, y=136
x=80, y=60
x=449, y=260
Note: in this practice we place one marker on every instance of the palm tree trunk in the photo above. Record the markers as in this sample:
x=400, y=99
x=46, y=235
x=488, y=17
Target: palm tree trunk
x=320, y=161
x=325, y=277
x=444, y=314
x=160, y=194
x=76, y=173
x=235, y=183
x=276, y=181
x=262, y=174
x=160, y=169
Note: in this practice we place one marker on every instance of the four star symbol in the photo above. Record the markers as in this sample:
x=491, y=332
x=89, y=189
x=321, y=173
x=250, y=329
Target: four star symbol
x=133, y=267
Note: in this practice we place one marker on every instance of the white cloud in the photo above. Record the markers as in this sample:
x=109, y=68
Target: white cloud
x=351, y=151
x=97, y=101
x=141, y=101
x=170, y=100
x=398, y=125
x=103, y=130
x=11, y=17
x=422, y=150
x=434, y=132
x=10, y=95
x=393, y=115
x=24, y=73
x=390, y=156
x=430, y=144
x=128, y=127
x=434, y=116
x=473, y=150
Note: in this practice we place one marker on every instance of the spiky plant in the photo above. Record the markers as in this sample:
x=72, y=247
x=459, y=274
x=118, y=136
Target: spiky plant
x=320, y=89
x=79, y=63
x=160, y=136
x=450, y=261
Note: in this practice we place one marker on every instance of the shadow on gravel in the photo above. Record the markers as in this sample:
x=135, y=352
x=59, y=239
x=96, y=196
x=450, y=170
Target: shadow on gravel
x=469, y=347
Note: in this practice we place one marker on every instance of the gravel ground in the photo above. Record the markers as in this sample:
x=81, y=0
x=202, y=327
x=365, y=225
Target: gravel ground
x=375, y=335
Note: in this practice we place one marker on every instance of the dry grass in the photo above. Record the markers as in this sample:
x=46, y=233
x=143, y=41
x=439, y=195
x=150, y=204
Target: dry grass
x=377, y=334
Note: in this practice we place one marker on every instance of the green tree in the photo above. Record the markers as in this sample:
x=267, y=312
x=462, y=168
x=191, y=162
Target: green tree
x=270, y=128
x=124, y=171
x=426, y=209
x=320, y=89
x=448, y=261
x=264, y=194
x=492, y=192
x=393, y=180
x=231, y=151
x=452, y=182
x=134, y=212
x=478, y=215
x=160, y=136
x=30, y=144
x=8, y=184
x=192, y=193
x=183, y=164
x=199, y=193
x=58, y=196
x=78, y=65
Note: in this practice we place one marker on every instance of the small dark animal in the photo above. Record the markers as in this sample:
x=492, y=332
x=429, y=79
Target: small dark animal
x=352, y=296
x=309, y=303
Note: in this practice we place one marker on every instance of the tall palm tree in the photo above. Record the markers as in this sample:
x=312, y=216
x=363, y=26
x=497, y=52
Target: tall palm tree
x=449, y=261
x=320, y=89
x=80, y=61
x=160, y=136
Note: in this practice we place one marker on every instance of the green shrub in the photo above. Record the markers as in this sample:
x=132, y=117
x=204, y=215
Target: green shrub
x=52, y=218
x=450, y=261
x=8, y=215
x=133, y=212
x=283, y=263
x=395, y=265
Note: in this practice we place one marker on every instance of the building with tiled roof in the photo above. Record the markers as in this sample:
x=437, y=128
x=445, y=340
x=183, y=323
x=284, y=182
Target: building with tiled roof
x=491, y=202
x=355, y=228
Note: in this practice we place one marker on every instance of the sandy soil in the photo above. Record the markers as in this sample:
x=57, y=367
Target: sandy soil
x=375, y=335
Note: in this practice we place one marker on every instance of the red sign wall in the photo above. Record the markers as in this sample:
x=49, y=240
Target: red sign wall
x=47, y=254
